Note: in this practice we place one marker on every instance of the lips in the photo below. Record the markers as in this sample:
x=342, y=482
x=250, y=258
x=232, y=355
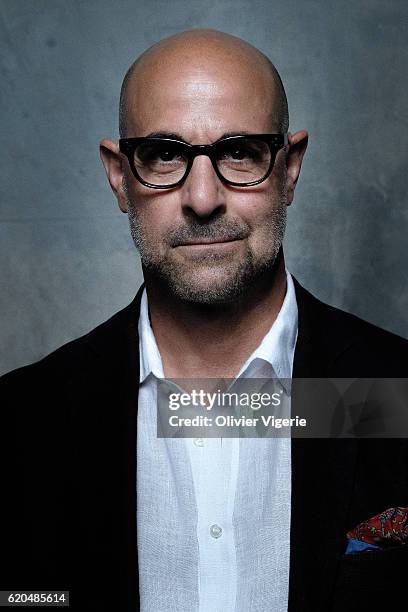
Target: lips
x=200, y=234
x=207, y=242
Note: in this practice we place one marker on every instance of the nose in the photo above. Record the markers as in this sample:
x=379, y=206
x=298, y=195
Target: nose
x=203, y=192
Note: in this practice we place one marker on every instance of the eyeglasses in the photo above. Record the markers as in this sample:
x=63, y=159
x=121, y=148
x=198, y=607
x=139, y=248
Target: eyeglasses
x=241, y=161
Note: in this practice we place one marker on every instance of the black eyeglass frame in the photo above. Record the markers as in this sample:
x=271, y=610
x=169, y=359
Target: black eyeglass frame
x=275, y=142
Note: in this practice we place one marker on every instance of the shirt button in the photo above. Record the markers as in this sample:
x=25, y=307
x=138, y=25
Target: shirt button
x=280, y=387
x=198, y=441
x=215, y=531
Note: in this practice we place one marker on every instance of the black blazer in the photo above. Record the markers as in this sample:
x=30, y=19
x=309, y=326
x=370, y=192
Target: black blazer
x=68, y=508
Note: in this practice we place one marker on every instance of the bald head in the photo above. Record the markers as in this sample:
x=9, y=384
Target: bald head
x=198, y=51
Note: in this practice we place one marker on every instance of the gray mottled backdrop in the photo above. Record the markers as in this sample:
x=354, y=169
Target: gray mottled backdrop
x=68, y=262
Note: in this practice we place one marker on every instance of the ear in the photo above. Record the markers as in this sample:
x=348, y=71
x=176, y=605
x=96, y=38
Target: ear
x=297, y=148
x=112, y=161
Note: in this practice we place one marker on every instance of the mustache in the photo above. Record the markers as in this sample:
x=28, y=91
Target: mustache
x=230, y=229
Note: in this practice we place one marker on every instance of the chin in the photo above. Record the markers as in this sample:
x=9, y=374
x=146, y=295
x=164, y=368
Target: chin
x=214, y=290
x=210, y=297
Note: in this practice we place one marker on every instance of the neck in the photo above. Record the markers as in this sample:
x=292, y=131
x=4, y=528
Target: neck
x=212, y=341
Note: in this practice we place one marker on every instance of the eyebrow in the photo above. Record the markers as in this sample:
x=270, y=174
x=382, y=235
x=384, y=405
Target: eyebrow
x=175, y=136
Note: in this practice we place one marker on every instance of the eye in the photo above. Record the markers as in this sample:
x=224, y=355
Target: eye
x=239, y=153
x=166, y=155
x=246, y=150
x=158, y=153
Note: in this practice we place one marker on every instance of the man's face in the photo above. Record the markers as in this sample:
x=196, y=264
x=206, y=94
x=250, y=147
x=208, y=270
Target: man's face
x=204, y=240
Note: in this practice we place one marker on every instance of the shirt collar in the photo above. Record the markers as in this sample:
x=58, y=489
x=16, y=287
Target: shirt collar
x=273, y=357
x=150, y=359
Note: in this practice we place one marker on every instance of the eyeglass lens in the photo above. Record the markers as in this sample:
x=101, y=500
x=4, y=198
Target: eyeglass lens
x=238, y=161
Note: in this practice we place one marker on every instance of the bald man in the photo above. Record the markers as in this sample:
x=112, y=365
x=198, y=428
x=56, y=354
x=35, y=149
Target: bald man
x=97, y=503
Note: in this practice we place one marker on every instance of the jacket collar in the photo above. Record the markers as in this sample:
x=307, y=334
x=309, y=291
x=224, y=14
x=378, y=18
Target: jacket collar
x=321, y=337
x=322, y=469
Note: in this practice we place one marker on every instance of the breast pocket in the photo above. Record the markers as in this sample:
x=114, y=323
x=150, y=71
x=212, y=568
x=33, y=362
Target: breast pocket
x=372, y=580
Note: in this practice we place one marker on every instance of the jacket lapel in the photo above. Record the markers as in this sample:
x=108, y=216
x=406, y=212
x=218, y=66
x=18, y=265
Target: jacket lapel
x=322, y=477
x=118, y=358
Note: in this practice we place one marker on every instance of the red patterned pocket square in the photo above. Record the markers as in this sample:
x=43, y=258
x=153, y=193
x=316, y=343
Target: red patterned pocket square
x=389, y=528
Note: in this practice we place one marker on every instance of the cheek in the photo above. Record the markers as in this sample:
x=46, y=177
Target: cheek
x=155, y=214
x=261, y=202
x=256, y=208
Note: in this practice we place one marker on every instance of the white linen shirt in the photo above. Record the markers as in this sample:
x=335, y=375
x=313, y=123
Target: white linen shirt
x=213, y=514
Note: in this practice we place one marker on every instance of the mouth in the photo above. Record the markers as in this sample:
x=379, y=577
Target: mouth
x=208, y=242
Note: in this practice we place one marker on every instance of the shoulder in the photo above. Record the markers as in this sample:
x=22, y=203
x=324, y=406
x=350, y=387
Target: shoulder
x=77, y=358
x=345, y=337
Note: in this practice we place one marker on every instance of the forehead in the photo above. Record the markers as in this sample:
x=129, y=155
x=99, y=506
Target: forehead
x=203, y=98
